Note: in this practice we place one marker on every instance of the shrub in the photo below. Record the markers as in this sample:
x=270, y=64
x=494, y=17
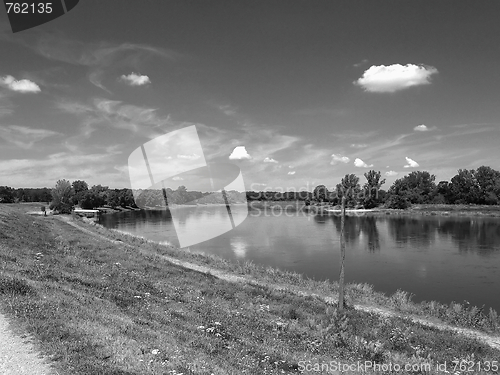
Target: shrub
x=398, y=202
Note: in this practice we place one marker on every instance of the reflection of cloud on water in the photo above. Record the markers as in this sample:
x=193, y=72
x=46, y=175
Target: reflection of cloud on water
x=239, y=247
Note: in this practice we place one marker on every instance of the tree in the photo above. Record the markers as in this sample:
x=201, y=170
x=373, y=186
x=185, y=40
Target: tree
x=397, y=202
x=342, y=254
x=488, y=183
x=464, y=187
x=442, y=194
x=62, y=197
x=79, y=188
x=99, y=195
x=371, y=188
x=6, y=194
x=416, y=187
x=350, y=189
x=113, y=198
x=320, y=193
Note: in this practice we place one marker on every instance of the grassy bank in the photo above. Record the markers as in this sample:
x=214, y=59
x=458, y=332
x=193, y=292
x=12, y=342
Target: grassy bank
x=118, y=306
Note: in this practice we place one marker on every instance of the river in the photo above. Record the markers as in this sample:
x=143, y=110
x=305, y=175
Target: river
x=442, y=258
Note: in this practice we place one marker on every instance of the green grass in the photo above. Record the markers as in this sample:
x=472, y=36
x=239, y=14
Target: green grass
x=99, y=307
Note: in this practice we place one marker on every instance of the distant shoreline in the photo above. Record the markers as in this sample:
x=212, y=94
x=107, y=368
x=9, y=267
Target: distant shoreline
x=423, y=209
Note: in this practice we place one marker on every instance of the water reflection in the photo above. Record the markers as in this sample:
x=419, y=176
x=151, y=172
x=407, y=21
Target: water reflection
x=356, y=229
x=413, y=231
x=433, y=257
x=473, y=235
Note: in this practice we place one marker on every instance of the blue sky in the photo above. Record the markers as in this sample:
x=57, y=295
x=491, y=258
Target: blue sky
x=295, y=93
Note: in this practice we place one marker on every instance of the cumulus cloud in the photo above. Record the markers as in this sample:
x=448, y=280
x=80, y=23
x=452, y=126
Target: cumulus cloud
x=189, y=157
x=421, y=128
x=391, y=173
x=361, y=164
x=23, y=85
x=411, y=163
x=177, y=178
x=270, y=160
x=291, y=172
x=134, y=79
x=339, y=159
x=391, y=78
x=239, y=153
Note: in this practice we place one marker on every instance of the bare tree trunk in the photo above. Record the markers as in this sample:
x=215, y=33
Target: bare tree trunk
x=342, y=256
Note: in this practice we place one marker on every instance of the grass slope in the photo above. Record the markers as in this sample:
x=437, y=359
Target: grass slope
x=119, y=307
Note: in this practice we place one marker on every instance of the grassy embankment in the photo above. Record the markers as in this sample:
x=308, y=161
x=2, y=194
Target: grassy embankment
x=119, y=307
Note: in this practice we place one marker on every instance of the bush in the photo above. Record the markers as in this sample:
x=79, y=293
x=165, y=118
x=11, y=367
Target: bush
x=398, y=202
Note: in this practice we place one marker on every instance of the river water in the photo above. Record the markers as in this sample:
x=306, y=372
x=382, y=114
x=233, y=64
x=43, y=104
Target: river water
x=442, y=258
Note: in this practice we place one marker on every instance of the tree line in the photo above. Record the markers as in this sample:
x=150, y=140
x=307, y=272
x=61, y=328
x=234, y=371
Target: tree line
x=12, y=195
x=474, y=186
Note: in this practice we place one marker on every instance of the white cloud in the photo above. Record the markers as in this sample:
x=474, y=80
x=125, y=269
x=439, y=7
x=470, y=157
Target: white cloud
x=291, y=172
x=177, y=178
x=361, y=164
x=339, y=158
x=362, y=62
x=411, y=163
x=391, y=173
x=423, y=128
x=189, y=157
x=239, y=153
x=391, y=78
x=270, y=160
x=359, y=145
x=23, y=85
x=134, y=79
x=290, y=166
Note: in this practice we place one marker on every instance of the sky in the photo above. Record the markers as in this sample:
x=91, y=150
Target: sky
x=294, y=93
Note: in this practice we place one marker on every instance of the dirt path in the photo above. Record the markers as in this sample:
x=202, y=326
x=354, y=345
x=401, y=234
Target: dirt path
x=18, y=356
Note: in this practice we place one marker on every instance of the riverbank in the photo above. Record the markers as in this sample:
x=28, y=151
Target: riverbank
x=152, y=314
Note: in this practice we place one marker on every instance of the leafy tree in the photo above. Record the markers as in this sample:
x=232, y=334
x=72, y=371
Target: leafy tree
x=79, y=188
x=349, y=187
x=126, y=198
x=6, y=194
x=372, y=188
x=89, y=200
x=416, y=187
x=488, y=182
x=62, y=197
x=320, y=193
x=99, y=195
x=442, y=193
x=464, y=187
x=398, y=202
x=113, y=198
